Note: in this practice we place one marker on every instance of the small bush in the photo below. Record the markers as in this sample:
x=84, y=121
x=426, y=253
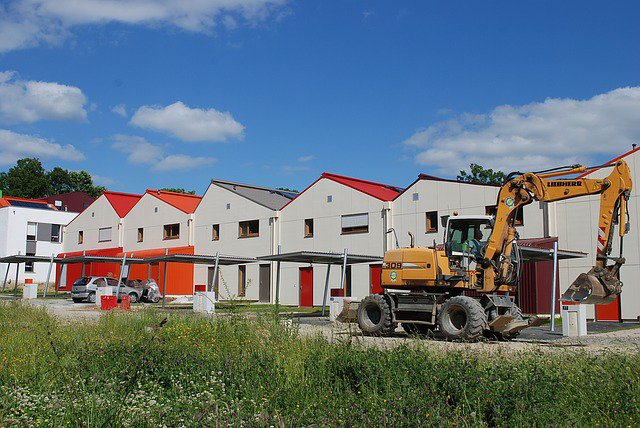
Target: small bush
x=126, y=370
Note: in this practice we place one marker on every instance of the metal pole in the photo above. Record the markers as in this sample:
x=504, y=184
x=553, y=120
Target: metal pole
x=164, y=278
x=6, y=274
x=326, y=288
x=15, y=286
x=344, y=272
x=278, y=283
x=63, y=273
x=149, y=271
x=553, y=285
x=215, y=273
x=84, y=254
x=124, y=261
x=46, y=285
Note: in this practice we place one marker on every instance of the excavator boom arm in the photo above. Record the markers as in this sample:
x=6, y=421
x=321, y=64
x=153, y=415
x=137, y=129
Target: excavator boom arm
x=523, y=189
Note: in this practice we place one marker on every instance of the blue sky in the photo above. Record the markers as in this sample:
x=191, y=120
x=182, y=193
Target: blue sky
x=273, y=92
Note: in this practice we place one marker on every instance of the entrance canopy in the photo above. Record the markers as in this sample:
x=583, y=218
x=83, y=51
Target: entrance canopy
x=320, y=257
x=200, y=259
x=536, y=254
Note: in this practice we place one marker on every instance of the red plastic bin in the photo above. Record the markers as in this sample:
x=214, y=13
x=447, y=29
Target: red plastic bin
x=125, y=302
x=108, y=302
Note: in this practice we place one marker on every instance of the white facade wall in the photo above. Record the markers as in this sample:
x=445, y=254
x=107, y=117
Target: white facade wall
x=445, y=197
x=328, y=236
x=213, y=210
x=577, y=224
x=152, y=214
x=98, y=215
x=13, y=239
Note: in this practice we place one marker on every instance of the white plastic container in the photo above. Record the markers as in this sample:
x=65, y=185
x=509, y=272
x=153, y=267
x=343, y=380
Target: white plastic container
x=574, y=320
x=336, y=304
x=104, y=291
x=30, y=291
x=204, y=302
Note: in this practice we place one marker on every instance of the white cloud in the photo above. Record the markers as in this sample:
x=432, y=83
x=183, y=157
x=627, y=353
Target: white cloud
x=25, y=23
x=14, y=146
x=189, y=124
x=533, y=136
x=178, y=162
x=139, y=151
x=101, y=180
x=294, y=168
x=120, y=110
x=28, y=101
x=308, y=158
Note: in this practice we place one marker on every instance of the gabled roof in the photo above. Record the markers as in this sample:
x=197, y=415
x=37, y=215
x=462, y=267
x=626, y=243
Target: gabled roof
x=13, y=201
x=383, y=192
x=182, y=201
x=121, y=202
x=274, y=199
x=622, y=156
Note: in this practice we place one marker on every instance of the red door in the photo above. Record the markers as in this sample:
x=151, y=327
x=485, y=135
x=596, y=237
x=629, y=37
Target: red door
x=306, y=287
x=610, y=312
x=375, y=273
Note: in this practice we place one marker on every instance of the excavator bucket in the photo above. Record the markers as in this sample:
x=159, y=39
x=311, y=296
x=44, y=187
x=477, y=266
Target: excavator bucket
x=598, y=286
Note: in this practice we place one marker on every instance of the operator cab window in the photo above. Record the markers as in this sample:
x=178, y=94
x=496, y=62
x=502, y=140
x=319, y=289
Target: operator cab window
x=461, y=231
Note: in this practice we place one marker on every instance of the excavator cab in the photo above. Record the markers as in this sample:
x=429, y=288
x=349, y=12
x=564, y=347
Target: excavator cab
x=467, y=235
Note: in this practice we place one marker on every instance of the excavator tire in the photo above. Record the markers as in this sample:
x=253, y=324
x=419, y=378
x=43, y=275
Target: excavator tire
x=462, y=318
x=374, y=316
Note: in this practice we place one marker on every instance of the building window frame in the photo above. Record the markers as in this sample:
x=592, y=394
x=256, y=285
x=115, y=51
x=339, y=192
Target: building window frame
x=350, y=224
x=308, y=228
x=215, y=232
x=249, y=229
x=431, y=219
x=171, y=231
x=101, y=239
x=141, y=234
x=80, y=237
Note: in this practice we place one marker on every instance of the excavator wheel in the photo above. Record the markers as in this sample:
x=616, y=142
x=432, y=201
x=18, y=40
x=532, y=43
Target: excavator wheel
x=374, y=316
x=462, y=318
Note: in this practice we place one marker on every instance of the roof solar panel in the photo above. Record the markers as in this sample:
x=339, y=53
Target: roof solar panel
x=27, y=204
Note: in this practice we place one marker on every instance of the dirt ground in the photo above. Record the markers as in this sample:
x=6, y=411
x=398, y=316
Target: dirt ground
x=618, y=337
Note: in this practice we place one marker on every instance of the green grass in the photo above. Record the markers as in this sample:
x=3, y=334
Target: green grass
x=230, y=371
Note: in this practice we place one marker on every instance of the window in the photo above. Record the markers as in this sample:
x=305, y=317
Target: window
x=519, y=217
x=112, y=282
x=242, y=281
x=140, y=234
x=32, y=229
x=215, y=232
x=80, y=237
x=249, y=229
x=416, y=196
x=355, y=223
x=155, y=210
x=55, y=232
x=443, y=220
x=228, y=206
x=308, y=228
x=329, y=199
x=104, y=234
x=432, y=221
x=491, y=210
x=28, y=266
x=171, y=231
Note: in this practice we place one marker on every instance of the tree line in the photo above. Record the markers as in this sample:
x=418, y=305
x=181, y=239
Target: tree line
x=29, y=179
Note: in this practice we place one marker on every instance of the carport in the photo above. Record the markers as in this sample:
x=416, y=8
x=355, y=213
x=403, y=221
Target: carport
x=17, y=260
x=198, y=259
x=316, y=257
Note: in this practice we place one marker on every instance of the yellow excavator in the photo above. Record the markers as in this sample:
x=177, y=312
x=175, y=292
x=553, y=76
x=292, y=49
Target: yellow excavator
x=463, y=290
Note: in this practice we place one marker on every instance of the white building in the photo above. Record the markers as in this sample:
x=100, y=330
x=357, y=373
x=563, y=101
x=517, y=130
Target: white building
x=577, y=225
x=101, y=225
x=30, y=227
x=237, y=219
x=333, y=214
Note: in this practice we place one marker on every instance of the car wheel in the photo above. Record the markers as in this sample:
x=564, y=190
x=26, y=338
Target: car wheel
x=133, y=298
x=91, y=298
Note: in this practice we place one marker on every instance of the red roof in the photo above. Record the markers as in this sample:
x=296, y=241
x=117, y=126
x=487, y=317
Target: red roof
x=624, y=155
x=181, y=201
x=384, y=192
x=121, y=202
